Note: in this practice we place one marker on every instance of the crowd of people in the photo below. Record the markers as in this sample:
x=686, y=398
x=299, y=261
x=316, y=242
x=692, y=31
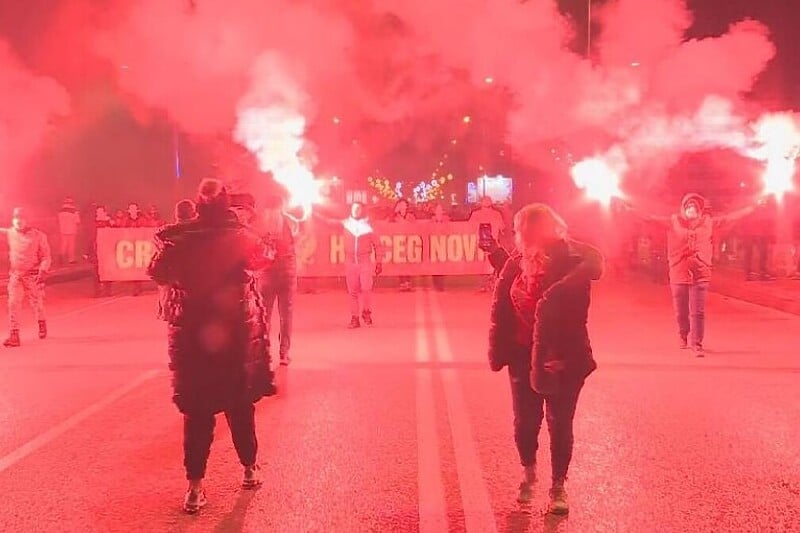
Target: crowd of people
x=219, y=311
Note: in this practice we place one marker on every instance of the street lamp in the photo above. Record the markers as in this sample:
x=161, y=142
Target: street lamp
x=589, y=28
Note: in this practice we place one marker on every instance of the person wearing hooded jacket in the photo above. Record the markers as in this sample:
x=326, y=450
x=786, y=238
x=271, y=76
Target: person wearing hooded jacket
x=217, y=344
x=690, y=251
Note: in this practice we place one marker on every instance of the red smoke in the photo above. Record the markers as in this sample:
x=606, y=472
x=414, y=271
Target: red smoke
x=398, y=75
x=28, y=103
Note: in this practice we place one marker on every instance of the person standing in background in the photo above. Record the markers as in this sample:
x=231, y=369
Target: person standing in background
x=68, y=222
x=29, y=261
x=279, y=282
x=487, y=214
x=439, y=217
x=758, y=233
x=185, y=212
x=101, y=220
x=134, y=219
x=360, y=242
x=401, y=213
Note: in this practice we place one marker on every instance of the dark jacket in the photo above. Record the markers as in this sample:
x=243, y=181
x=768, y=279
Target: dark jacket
x=218, y=348
x=284, y=267
x=560, y=314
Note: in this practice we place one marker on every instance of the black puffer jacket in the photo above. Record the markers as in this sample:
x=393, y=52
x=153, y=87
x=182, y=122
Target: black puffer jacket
x=218, y=348
x=561, y=309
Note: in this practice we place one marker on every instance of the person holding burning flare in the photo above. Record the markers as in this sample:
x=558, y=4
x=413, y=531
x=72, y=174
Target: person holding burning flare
x=690, y=252
x=360, y=242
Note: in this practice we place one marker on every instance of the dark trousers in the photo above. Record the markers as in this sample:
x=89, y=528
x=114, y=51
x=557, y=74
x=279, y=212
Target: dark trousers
x=751, y=245
x=282, y=290
x=198, y=433
x=689, y=301
x=530, y=408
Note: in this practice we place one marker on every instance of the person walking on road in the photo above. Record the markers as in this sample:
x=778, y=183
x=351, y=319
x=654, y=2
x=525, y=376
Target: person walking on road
x=279, y=281
x=29, y=260
x=539, y=331
x=690, y=252
x=218, y=349
x=360, y=242
x=69, y=220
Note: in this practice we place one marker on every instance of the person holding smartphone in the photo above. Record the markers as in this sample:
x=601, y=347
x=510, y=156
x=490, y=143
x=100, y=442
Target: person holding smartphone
x=539, y=331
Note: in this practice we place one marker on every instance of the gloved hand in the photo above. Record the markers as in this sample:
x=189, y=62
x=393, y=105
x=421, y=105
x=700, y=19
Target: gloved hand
x=378, y=268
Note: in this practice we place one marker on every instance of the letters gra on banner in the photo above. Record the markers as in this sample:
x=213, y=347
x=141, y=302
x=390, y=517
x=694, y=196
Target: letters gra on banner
x=417, y=248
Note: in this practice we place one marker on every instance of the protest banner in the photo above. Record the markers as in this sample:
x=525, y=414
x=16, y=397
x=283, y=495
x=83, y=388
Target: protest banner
x=417, y=248
x=124, y=253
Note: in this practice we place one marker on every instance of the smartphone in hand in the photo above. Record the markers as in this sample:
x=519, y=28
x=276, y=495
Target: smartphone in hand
x=485, y=237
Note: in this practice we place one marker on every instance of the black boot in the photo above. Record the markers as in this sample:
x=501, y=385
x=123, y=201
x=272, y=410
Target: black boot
x=354, y=323
x=13, y=339
x=367, y=316
x=42, y=329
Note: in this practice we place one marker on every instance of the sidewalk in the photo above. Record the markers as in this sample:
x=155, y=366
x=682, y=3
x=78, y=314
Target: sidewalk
x=782, y=294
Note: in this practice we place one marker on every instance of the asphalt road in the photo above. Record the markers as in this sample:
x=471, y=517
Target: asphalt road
x=402, y=427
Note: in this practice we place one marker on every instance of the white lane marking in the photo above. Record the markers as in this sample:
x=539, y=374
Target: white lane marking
x=432, y=506
x=56, y=431
x=478, y=513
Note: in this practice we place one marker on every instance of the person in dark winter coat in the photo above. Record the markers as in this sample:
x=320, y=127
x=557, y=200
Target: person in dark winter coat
x=539, y=331
x=218, y=350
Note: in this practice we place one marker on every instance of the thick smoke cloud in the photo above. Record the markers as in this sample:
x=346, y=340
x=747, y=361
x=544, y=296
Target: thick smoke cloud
x=373, y=78
x=28, y=104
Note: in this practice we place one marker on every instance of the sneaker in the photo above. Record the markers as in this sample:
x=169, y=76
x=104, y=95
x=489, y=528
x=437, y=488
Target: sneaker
x=354, y=323
x=526, y=485
x=367, y=316
x=252, y=477
x=558, y=500
x=699, y=351
x=13, y=339
x=42, y=329
x=194, y=501
x=525, y=492
x=684, y=344
x=285, y=359
x=767, y=277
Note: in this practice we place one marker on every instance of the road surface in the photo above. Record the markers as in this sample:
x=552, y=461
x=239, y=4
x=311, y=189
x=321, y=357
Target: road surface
x=402, y=427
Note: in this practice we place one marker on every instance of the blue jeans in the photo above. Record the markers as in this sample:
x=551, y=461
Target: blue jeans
x=689, y=300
